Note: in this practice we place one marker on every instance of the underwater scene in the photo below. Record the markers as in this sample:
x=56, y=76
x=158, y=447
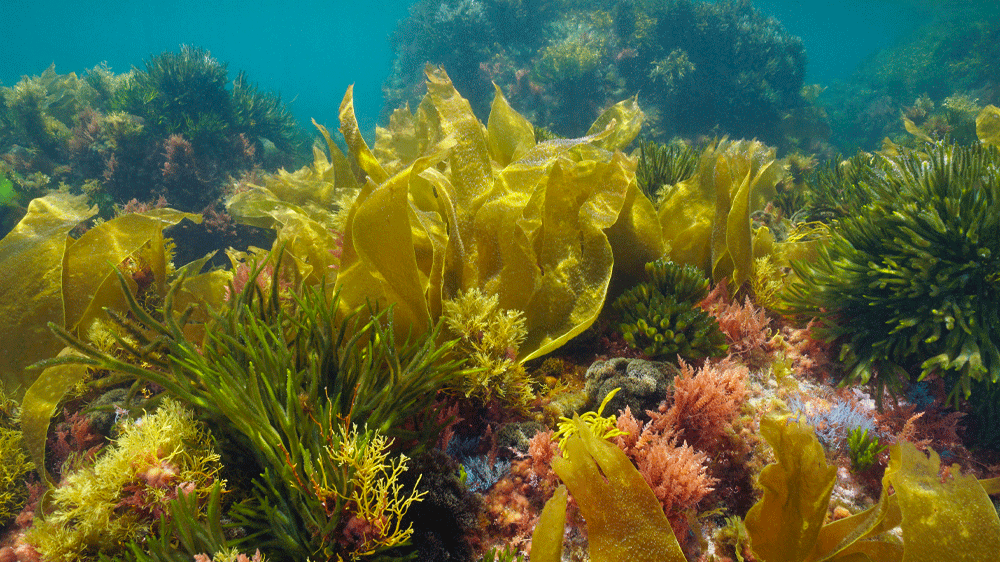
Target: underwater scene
x=500, y=281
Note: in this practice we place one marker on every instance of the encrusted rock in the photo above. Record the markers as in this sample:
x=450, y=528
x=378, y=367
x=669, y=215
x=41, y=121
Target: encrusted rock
x=643, y=384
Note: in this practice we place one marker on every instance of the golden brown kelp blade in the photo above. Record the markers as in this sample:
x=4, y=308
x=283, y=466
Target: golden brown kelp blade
x=31, y=270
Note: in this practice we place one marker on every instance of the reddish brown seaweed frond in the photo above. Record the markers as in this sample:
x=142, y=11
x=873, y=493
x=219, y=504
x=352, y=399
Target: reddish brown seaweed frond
x=705, y=403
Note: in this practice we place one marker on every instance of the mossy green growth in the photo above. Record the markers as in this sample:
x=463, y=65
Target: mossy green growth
x=910, y=282
x=575, y=57
x=863, y=449
x=7, y=194
x=661, y=317
x=489, y=337
x=119, y=498
x=14, y=465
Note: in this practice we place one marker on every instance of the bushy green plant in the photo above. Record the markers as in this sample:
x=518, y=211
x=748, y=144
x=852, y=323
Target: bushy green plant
x=489, y=337
x=661, y=317
x=834, y=189
x=284, y=376
x=40, y=110
x=663, y=165
x=120, y=497
x=199, y=128
x=14, y=466
x=183, y=92
x=863, y=449
x=910, y=282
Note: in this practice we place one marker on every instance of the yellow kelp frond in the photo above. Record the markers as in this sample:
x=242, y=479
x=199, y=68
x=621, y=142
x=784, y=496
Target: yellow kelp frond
x=319, y=187
x=48, y=277
x=628, y=121
x=31, y=264
x=988, y=125
x=949, y=518
x=355, y=142
x=486, y=207
x=706, y=218
x=90, y=282
x=308, y=208
x=625, y=522
x=785, y=524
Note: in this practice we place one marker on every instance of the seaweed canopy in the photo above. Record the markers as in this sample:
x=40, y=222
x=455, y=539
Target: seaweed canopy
x=451, y=205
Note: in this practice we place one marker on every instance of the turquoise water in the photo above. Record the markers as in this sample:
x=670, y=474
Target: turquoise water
x=308, y=51
x=311, y=51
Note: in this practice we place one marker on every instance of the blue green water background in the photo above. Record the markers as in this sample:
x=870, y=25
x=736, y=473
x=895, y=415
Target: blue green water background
x=311, y=51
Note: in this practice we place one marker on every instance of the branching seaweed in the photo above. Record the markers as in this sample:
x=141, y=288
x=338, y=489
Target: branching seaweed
x=285, y=375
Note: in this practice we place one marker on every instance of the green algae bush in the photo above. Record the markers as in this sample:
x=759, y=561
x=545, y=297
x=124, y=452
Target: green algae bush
x=661, y=318
x=120, y=497
x=910, y=281
x=310, y=395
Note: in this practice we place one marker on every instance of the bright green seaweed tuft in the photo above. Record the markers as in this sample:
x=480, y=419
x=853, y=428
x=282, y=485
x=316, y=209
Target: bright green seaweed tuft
x=661, y=318
x=909, y=282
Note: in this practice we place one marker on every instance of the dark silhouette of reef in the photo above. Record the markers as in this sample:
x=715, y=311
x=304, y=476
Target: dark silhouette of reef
x=699, y=68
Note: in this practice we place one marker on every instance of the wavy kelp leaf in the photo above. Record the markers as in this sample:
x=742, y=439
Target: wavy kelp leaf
x=305, y=233
x=991, y=485
x=339, y=171
x=741, y=240
x=785, y=524
x=356, y=143
x=940, y=519
x=916, y=131
x=31, y=269
x=988, y=125
x=471, y=172
x=40, y=402
x=635, y=240
x=625, y=521
x=510, y=134
x=399, y=144
x=89, y=281
x=952, y=519
x=531, y=232
x=734, y=179
x=628, y=121
x=547, y=538
x=203, y=292
x=383, y=263
x=573, y=250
